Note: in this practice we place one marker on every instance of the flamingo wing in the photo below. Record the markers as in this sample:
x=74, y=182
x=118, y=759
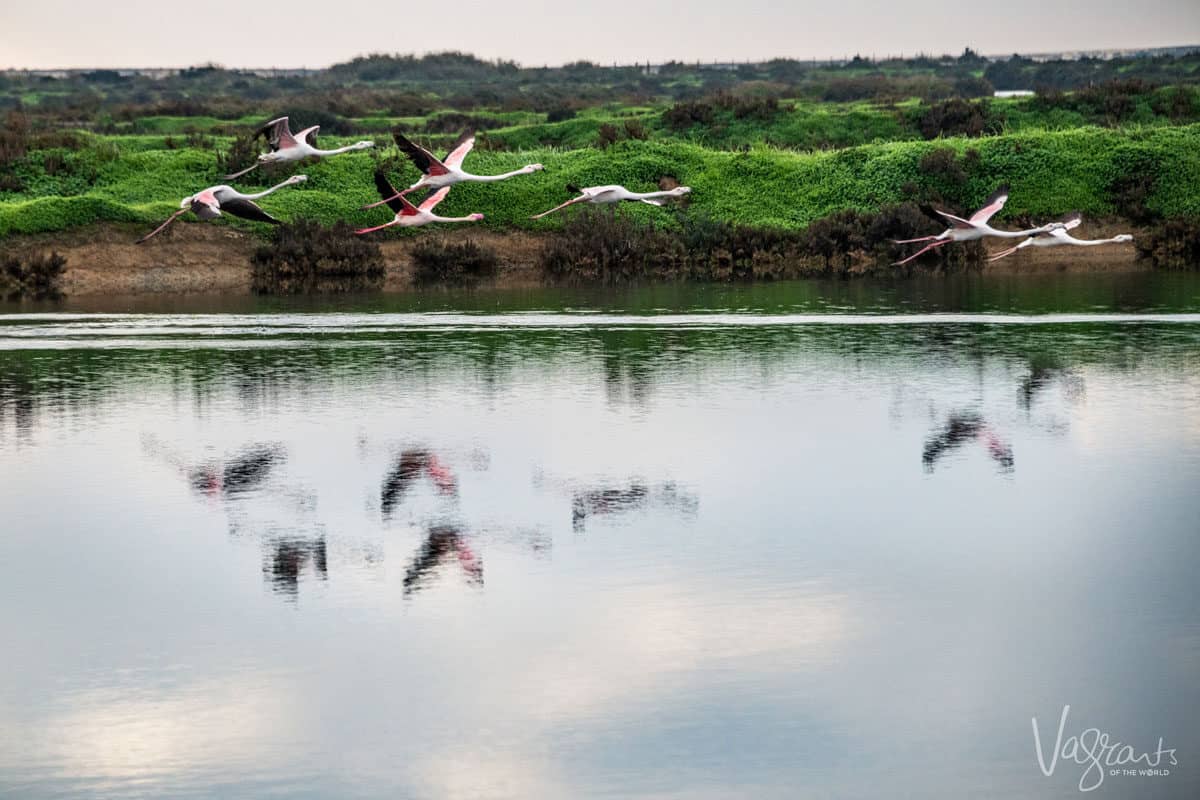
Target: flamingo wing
x=278, y=133
x=994, y=203
x=247, y=209
x=1070, y=221
x=424, y=160
x=309, y=135
x=431, y=202
x=398, y=205
x=942, y=216
x=459, y=150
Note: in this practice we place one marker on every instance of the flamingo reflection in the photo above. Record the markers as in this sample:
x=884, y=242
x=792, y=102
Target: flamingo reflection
x=411, y=466
x=960, y=429
x=288, y=558
x=443, y=544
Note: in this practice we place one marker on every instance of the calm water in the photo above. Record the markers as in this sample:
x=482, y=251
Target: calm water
x=829, y=540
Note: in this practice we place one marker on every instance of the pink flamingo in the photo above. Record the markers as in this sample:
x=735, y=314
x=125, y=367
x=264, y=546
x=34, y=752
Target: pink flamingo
x=601, y=195
x=439, y=174
x=1059, y=236
x=215, y=200
x=286, y=147
x=968, y=230
x=407, y=214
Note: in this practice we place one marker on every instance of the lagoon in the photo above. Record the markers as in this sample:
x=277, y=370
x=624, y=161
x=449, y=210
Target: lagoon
x=816, y=539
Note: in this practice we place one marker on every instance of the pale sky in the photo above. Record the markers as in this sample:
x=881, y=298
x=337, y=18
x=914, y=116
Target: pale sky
x=253, y=33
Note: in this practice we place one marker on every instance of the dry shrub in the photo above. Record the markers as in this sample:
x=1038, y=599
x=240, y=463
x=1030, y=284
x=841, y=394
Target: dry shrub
x=440, y=261
x=37, y=277
x=306, y=256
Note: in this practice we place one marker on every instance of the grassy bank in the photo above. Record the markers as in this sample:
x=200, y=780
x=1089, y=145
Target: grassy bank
x=1097, y=171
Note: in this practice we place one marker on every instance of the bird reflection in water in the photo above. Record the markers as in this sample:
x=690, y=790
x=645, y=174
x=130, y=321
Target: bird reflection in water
x=287, y=559
x=443, y=544
x=236, y=482
x=411, y=467
x=612, y=499
x=1044, y=371
x=960, y=429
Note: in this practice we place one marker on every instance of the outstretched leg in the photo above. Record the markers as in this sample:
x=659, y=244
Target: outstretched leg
x=1002, y=254
x=570, y=202
x=924, y=249
x=361, y=231
x=389, y=199
x=239, y=174
x=160, y=228
x=914, y=241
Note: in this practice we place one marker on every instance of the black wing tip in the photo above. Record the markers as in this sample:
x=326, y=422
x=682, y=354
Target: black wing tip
x=1003, y=188
x=932, y=212
x=574, y=189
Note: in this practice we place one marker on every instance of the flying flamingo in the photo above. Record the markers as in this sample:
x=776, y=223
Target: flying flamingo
x=286, y=147
x=448, y=171
x=601, y=195
x=1059, y=236
x=215, y=200
x=968, y=230
x=407, y=214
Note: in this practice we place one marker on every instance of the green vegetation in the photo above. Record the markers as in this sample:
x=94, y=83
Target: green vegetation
x=768, y=187
x=774, y=147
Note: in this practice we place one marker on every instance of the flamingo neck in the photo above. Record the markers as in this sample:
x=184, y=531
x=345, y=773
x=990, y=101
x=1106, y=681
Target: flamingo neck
x=265, y=192
x=335, y=151
x=649, y=195
x=492, y=178
x=436, y=218
x=990, y=231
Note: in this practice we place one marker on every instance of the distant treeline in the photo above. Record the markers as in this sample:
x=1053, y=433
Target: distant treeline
x=405, y=85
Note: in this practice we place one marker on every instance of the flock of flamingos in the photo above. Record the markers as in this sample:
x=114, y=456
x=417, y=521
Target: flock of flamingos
x=438, y=175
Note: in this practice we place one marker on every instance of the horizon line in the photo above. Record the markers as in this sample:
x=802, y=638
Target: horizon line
x=614, y=65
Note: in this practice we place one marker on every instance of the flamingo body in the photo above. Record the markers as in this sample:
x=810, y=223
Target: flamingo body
x=408, y=215
x=288, y=147
x=607, y=195
x=445, y=172
x=215, y=201
x=971, y=229
x=1058, y=237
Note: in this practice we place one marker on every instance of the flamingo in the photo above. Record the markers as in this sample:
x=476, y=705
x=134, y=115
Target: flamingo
x=1059, y=236
x=286, y=147
x=601, y=195
x=210, y=203
x=968, y=230
x=407, y=214
x=448, y=171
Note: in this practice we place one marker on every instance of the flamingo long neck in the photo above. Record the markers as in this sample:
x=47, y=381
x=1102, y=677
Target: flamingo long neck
x=1090, y=242
x=265, y=192
x=335, y=151
x=491, y=178
x=649, y=195
x=990, y=231
x=436, y=218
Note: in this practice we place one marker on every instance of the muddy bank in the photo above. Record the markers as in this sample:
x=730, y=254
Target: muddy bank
x=213, y=259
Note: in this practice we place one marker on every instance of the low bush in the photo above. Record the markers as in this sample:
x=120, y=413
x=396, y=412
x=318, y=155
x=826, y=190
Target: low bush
x=440, y=261
x=306, y=256
x=38, y=277
x=609, y=246
x=1174, y=244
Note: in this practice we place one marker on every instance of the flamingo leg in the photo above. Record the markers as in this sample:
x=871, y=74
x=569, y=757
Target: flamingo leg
x=388, y=200
x=1002, y=254
x=361, y=231
x=924, y=249
x=235, y=175
x=914, y=241
x=160, y=228
x=570, y=202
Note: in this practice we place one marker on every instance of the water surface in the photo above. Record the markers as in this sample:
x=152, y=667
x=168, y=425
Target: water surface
x=809, y=539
